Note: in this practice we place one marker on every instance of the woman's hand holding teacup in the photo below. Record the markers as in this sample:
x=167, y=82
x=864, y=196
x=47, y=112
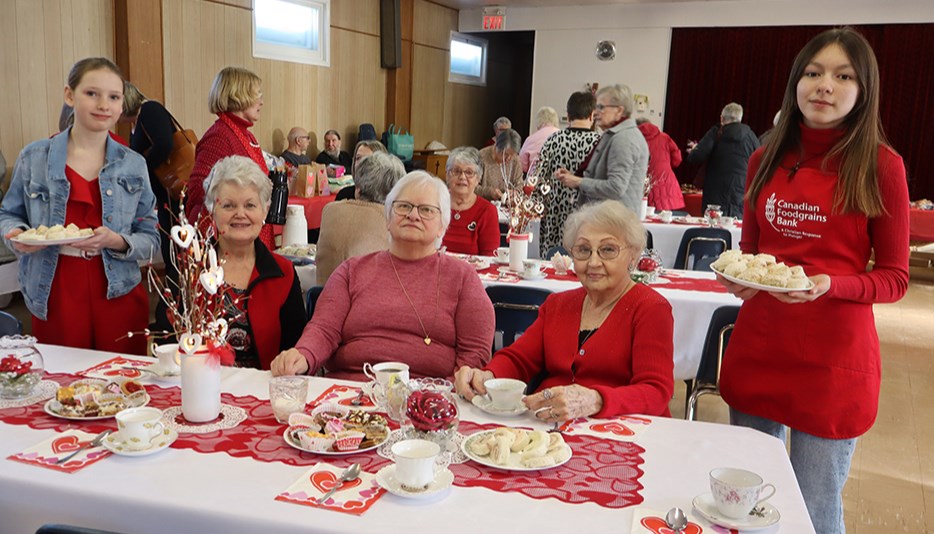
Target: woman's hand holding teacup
x=468, y=382
x=289, y=362
x=564, y=403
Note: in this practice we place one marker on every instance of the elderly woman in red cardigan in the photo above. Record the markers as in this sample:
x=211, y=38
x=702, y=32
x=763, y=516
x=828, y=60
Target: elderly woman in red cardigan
x=605, y=348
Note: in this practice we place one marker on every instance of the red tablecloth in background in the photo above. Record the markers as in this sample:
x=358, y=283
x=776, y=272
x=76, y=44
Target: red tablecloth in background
x=921, y=225
x=693, y=204
x=313, y=207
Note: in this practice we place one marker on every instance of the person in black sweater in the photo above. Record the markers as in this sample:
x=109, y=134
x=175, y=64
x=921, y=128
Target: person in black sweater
x=332, y=153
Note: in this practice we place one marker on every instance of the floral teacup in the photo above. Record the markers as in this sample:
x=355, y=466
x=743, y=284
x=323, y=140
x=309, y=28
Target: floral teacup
x=561, y=263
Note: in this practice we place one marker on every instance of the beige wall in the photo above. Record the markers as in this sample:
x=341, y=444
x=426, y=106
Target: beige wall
x=39, y=41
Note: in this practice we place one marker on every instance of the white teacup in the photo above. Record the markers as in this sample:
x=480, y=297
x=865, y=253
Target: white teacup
x=727, y=222
x=380, y=374
x=649, y=211
x=139, y=427
x=505, y=393
x=666, y=216
x=531, y=268
x=737, y=491
x=502, y=254
x=168, y=358
x=417, y=462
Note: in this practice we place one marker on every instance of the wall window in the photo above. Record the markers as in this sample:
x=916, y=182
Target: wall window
x=468, y=59
x=292, y=30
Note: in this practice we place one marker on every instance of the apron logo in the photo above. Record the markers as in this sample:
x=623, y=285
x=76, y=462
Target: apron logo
x=770, y=211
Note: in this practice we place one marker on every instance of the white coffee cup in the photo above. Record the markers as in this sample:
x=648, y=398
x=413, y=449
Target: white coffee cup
x=666, y=216
x=531, y=268
x=727, y=222
x=649, y=211
x=502, y=254
x=505, y=393
x=417, y=462
x=380, y=374
x=168, y=358
x=139, y=427
x=737, y=491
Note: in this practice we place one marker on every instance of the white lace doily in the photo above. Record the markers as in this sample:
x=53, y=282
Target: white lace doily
x=229, y=417
x=44, y=390
x=454, y=446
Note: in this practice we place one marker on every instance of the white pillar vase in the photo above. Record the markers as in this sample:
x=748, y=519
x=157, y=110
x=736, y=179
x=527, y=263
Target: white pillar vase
x=518, y=250
x=201, y=386
x=643, y=207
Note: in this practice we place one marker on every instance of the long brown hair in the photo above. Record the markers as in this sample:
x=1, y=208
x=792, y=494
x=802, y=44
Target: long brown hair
x=86, y=65
x=857, y=185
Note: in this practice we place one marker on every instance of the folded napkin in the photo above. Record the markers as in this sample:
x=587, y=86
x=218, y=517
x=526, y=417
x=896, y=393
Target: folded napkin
x=114, y=368
x=354, y=497
x=622, y=428
x=344, y=395
x=649, y=521
x=45, y=454
x=500, y=277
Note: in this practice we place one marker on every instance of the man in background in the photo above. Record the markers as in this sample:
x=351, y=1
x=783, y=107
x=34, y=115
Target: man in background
x=333, y=156
x=500, y=125
x=295, y=154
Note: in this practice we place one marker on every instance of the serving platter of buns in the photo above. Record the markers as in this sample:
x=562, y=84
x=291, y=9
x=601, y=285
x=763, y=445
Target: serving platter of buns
x=91, y=399
x=761, y=271
x=54, y=235
x=517, y=449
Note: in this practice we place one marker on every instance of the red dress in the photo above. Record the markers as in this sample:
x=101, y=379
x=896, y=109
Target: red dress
x=80, y=315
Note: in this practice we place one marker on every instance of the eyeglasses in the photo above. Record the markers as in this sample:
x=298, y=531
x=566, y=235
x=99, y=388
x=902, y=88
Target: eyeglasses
x=601, y=107
x=606, y=252
x=425, y=211
x=457, y=173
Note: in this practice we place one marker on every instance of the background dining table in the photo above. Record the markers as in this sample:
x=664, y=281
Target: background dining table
x=217, y=483
x=666, y=238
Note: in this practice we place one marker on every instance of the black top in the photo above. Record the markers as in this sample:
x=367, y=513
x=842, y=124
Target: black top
x=726, y=150
x=295, y=159
x=153, y=133
x=343, y=159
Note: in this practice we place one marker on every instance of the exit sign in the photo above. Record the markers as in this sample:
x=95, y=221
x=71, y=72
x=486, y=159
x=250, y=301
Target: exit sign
x=494, y=18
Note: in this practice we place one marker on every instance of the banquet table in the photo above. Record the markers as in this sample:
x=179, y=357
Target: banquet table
x=921, y=225
x=313, y=207
x=667, y=237
x=219, y=487
x=693, y=203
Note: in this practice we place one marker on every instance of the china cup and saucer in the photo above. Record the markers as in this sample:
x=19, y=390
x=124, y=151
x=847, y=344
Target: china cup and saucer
x=486, y=404
x=386, y=478
x=764, y=516
x=116, y=444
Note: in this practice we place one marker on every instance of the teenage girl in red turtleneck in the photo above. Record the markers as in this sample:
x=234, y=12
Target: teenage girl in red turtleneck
x=237, y=98
x=823, y=193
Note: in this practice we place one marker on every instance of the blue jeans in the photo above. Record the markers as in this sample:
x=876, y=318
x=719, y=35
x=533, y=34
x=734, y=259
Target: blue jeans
x=821, y=466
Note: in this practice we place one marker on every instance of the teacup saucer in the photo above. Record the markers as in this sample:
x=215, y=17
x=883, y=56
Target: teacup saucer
x=162, y=373
x=707, y=508
x=385, y=477
x=485, y=404
x=539, y=276
x=501, y=261
x=116, y=444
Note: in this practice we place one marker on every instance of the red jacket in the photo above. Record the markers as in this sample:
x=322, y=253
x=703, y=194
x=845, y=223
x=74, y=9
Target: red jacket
x=663, y=157
x=628, y=360
x=816, y=366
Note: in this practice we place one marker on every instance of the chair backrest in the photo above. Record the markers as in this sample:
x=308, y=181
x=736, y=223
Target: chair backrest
x=516, y=308
x=503, y=232
x=9, y=325
x=555, y=249
x=703, y=264
x=718, y=335
x=649, y=242
x=697, y=243
x=311, y=299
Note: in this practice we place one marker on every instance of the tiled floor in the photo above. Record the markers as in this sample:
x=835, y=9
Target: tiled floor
x=891, y=482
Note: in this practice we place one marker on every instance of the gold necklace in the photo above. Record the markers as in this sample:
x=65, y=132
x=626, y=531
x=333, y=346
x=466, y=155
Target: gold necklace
x=427, y=339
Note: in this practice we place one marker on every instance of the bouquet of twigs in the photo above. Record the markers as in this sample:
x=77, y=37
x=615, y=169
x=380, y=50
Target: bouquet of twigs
x=525, y=203
x=647, y=185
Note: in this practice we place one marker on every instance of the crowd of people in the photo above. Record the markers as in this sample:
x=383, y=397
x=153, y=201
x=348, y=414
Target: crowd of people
x=391, y=293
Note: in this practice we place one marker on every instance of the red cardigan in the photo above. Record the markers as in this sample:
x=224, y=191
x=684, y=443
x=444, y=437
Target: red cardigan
x=816, y=366
x=477, y=230
x=628, y=360
x=275, y=306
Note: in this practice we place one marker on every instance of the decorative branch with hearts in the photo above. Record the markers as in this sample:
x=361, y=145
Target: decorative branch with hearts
x=527, y=203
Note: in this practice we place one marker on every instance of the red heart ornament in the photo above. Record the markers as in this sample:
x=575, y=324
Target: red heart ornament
x=659, y=526
x=613, y=428
x=67, y=444
x=325, y=480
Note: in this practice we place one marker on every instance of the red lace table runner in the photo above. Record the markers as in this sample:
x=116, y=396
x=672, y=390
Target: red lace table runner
x=602, y=471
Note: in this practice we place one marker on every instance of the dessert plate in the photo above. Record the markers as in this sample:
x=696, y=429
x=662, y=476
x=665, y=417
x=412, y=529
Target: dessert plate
x=515, y=458
x=385, y=477
x=768, y=515
x=292, y=442
x=53, y=405
x=761, y=287
x=115, y=444
x=485, y=404
x=49, y=242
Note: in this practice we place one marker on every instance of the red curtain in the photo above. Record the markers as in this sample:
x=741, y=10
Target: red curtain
x=710, y=67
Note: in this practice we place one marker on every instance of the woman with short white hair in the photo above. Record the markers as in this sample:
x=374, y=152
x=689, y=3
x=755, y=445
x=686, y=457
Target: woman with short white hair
x=546, y=123
x=409, y=304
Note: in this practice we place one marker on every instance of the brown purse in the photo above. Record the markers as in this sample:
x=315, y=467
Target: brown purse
x=175, y=171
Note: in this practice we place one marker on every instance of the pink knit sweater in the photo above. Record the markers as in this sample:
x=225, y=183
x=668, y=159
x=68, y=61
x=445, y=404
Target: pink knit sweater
x=363, y=316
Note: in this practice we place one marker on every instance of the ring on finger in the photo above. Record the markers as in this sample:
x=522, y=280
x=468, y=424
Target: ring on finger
x=547, y=394
x=551, y=413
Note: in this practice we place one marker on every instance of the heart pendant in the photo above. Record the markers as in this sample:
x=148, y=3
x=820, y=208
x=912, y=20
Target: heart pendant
x=428, y=341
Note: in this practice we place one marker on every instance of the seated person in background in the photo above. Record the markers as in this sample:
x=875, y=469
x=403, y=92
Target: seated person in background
x=362, y=150
x=500, y=162
x=357, y=227
x=500, y=125
x=606, y=349
x=332, y=153
x=474, y=225
x=410, y=304
x=269, y=313
x=295, y=154
x=547, y=122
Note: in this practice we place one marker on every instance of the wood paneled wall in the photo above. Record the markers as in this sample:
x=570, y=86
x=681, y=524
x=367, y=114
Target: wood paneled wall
x=39, y=42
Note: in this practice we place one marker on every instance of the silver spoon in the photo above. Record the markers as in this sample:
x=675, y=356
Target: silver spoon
x=358, y=400
x=676, y=519
x=351, y=473
x=96, y=442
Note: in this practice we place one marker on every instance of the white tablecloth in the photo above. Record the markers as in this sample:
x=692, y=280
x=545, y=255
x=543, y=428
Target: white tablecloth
x=185, y=491
x=667, y=237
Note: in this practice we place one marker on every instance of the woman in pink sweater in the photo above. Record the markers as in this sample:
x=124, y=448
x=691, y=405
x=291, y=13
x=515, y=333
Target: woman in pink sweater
x=409, y=304
x=606, y=348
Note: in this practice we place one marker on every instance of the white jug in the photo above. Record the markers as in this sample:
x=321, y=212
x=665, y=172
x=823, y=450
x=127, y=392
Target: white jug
x=296, y=226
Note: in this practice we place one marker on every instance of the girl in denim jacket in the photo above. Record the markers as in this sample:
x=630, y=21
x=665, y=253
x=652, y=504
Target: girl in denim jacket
x=85, y=294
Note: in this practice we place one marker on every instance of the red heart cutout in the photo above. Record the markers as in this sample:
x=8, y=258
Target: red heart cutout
x=613, y=428
x=129, y=373
x=659, y=526
x=325, y=480
x=67, y=444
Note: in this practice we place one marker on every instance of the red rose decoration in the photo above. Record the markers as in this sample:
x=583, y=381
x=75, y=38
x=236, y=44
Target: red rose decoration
x=430, y=410
x=528, y=189
x=12, y=364
x=647, y=265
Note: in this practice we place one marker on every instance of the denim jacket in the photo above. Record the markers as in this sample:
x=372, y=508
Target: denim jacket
x=39, y=193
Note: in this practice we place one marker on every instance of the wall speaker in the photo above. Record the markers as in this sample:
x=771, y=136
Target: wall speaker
x=390, y=34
